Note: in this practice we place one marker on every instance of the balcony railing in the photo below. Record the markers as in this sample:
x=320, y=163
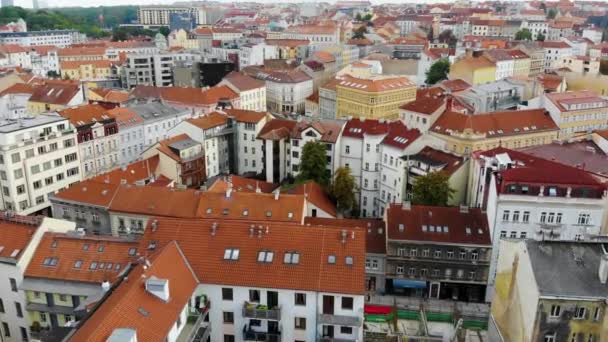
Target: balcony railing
x=352, y=321
x=250, y=335
x=198, y=329
x=261, y=312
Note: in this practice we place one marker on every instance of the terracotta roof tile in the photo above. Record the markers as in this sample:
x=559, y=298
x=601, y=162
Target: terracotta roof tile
x=213, y=119
x=122, y=309
x=316, y=195
x=562, y=100
x=250, y=116
x=67, y=65
x=159, y=201
x=329, y=130
x=125, y=117
x=375, y=239
x=55, y=93
x=277, y=129
x=111, y=95
x=427, y=101
x=18, y=88
x=104, y=253
x=137, y=171
x=396, y=132
x=448, y=162
x=15, y=236
x=80, y=51
x=243, y=82
x=205, y=252
x=241, y=184
x=379, y=84
x=423, y=223
x=555, y=45
x=85, y=114
x=292, y=43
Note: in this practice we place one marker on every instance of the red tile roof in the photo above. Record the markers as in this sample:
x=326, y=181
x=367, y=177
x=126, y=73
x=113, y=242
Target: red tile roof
x=555, y=45
x=15, y=235
x=55, y=93
x=110, y=95
x=68, y=249
x=122, y=309
x=397, y=133
x=158, y=201
x=375, y=239
x=18, y=88
x=376, y=84
x=277, y=129
x=205, y=247
x=210, y=120
x=316, y=195
x=455, y=85
x=329, y=130
x=85, y=114
x=91, y=192
x=103, y=63
x=241, y=184
x=428, y=101
x=250, y=116
x=142, y=170
x=80, y=51
x=423, y=223
x=575, y=97
x=243, y=82
x=185, y=95
x=449, y=162
x=496, y=123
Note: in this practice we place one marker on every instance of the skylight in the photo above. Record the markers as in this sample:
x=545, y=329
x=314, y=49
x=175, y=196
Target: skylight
x=231, y=254
x=93, y=265
x=291, y=258
x=331, y=259
x=78, y=264
x=468, y=230
x=132, y=251
x=265, y=256
x=348, y=260
x=85, y=247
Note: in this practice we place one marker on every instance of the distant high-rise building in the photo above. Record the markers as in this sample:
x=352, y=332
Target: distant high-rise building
x=7, y=3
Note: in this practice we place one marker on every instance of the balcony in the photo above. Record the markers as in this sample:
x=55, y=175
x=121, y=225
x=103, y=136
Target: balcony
x=352, y=321
x=251, y=335
x=196, y=329
x=261, y=312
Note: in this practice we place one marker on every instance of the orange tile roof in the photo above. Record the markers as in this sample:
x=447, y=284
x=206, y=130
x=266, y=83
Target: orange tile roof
x=496, y=124
x=85, y=114
x=205, y=250
x=242, y=115
x=164, y=146
x=18, y=88
x=55, y=93
x=146, y=200
x=428, y=101
x=311, y=29
x=277, y=129
x=80, y=51
x=243, y=82
x=375, y=239
x=89, y=191
x=122, y=308
x=12, y=48
x=68, y=65
x=241, y=184
x=125, y=117
x=15, y=236
x=316, y=195
x=555, y=45
x=68, y=249
x=292, y=43
x=186, y=95
x=376, y=84
x=137, y=171
x=602, y=133
x=252, y=206
x=325, y=57
x=111, y=95
x=213, y=119
x=575, y=97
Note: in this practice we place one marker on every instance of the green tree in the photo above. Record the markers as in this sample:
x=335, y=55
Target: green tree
x=52, y=74
x=523, y=34
x=164, y=30
x=360, y=32
x=313, y=164
x=432, y=189
x=439, y=71
x=552, y=13
x=368, y=17
x=447, y=37
x=540, y=37
x=343, y=189
x=358, y=17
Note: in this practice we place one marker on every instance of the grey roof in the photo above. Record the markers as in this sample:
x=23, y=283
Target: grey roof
x=183, y=144
x=154, y=111
x=7, y=126
x=567, y=269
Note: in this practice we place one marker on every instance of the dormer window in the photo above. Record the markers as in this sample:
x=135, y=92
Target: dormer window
x=552, y=191
x=231, y=254
x=265, y=256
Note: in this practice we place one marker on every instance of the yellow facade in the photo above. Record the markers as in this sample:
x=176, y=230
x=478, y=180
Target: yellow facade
x=41, y=107
x=521, y=67
x=86, y=72
x=468, y=142
x=181, y=38
x=580, y=120
x=474, y=70
x=376, y=105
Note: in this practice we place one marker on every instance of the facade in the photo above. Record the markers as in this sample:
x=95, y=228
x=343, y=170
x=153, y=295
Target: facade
x=377, y=97
x=327, y=132
x=501, y=95
x=131, y=132
x=544, y=293
x=474, y=69
x=581, y=64
x=152, y=69
x=577, y=112
x=286, y=90
x=463, y=133
x=555, y=52
x=161, y=15
x=566, y=204
x=158, y=120
x=60, y=38
x=328, y=99
x=251, y=91
x=537, y=56
x=437, y=252
x=97, y=139
x=39, y=157
x=87, y=70
x=256, y=54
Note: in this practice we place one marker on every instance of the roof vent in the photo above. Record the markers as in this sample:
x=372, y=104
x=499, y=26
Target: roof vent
x=276, y=194
x=214, y=228
x=344, y=234
x=406, y=205
x=154, y=225
x=464, y=209
x=105, y=286
x=158, y=287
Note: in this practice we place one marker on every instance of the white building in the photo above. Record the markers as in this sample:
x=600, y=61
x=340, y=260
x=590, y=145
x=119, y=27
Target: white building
x=158, y=120
x=17, y=55
x=251, y=91
x=13, y=101
x=161, y=15
x=98, y=139
x=536, y=27
x=593, y=34
x=38, y=156
x=286, y=91
x=505, y=64
x=59, y=38
x=131, y=132
x=327, y=132
x=153, y=69
x=372, y=149
x=524, y=201
x=555, y=51
x=19, y=237
x=256, y=54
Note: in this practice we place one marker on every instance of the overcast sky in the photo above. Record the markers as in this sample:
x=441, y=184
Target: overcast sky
x=89, y=3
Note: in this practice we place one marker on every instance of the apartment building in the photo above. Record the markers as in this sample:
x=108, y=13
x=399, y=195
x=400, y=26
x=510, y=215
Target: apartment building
x=60, y=38
x=326, y=132
x=376, y=97
x=576, y=111
x=555, y=51
x=39, y=156
x=153, y=69
x=82, y=53
x=196, y=100
x=318, y=34
x=68, y=272
x=251, y=91
x=524, y=201
x=13, y=100
x=256, y=54
x=163, y=288
x=291, y=302
x=286, y=90
x=275, y=136
x=536, y=27
x=87, y=70
x=537, y=56
x=161, y=15
x=131, y=132
x=581, y=64
x=463, y=133
x=19, y=236
x=437, y=252
x=97, y=137
x=550, y=291
x=248, y=124
x=54, y=96
x=372, y=149
x=158, y=120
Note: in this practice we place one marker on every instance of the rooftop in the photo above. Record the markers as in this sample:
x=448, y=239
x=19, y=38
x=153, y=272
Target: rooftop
x=9, y=125
x=375, y=239
x=584, y=155
x=15, y=235
x=315, y=194
x=55, y=93
x=376, y=83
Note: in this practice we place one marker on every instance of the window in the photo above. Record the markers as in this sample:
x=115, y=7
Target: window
x=1, y=306
x=18, y=173
x=348, y=260
x=503, y=233
x=300, y=323
x=331, y=259
x=291, y=258
x=265, y=256
x=231, y=254
x=505, y=215
x=516, y=216
x=93, y=265
x=132, y=251
x=228, y=317
x=35, y=169
x=254, y=296
x=15, y=157
x=346, y=330
x=579, y=313
x=463, y=255
x=228, y=338
x=78, y=264
x=555, y=310
x=13, y=284
x=18, y=309
x=596, y=314
x=226, y=293
x=513, y=235
x=526, y=217
x=438, y=254
x=584, y=219
x=450, y=254
x=7, y=332
x=543, y=217
x=347, y=149
x=20, y=189
x=347, y=303
x=300, y=298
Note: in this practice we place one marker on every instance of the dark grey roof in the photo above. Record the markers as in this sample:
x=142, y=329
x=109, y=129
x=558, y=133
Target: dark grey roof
x=154, y=111
x=567, y=269
x=183, y=144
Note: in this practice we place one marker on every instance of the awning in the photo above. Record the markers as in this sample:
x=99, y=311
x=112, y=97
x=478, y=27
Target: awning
x=400, y=283
x=377, y=309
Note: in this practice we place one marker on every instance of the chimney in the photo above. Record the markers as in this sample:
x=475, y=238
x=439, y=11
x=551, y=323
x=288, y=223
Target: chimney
x=603, y=269
x=251, y=230
x=464, y=209
x=154, y=225
x=344, y=234
x=228, y=191
x=105, y=286
x=569, y=192
x=214, y=228
x=276, y=194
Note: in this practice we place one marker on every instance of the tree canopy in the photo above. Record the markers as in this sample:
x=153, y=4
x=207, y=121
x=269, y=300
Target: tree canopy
x=432, y=189
x=360, y=32
x=523, y=34
x=438, y=72
x=551, y=13
x=448, y=37
x=540, y=37
x=313, y=163
x=343, y=189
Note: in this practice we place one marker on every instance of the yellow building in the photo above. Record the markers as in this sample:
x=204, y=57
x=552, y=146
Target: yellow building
x=181, y=38
x=465, y=133
x=54, y=96
x=376, y=97
x=289, y=48
x=474, y=69
x=568, y=305
x=86, y=70
x=577, y=111
x=521, y=63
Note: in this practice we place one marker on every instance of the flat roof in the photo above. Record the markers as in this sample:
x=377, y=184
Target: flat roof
x=12, y=125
